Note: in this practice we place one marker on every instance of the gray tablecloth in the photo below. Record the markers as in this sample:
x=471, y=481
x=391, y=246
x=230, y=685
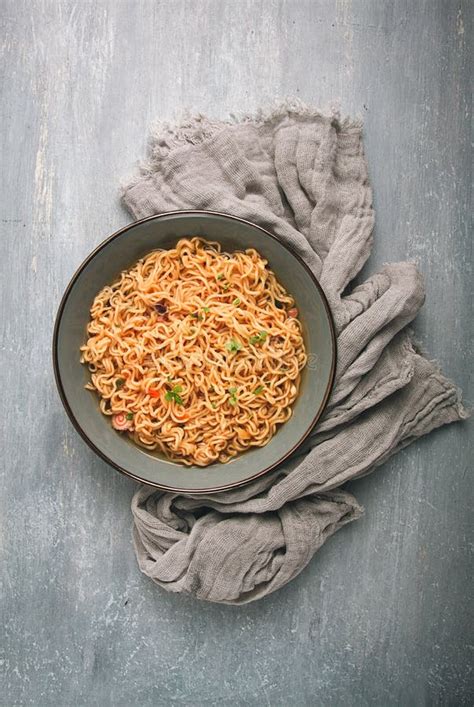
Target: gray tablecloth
x=303, y=176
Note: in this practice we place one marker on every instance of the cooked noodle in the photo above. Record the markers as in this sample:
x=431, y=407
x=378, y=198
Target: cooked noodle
x=195, y=352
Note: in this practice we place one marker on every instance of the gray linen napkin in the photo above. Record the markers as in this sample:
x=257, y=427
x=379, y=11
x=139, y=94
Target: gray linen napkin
x=303, y=176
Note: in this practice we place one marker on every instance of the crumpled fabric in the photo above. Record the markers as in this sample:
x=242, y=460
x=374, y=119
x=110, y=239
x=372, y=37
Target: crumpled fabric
x=303, y=176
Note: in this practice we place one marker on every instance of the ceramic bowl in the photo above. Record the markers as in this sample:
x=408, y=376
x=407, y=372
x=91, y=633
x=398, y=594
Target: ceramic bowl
x=121, y=251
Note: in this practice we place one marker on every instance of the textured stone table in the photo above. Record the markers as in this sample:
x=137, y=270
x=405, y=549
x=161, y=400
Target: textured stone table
x=380, y=615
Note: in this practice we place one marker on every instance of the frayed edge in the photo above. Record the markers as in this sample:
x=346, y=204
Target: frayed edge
x=195, y=128
x=463, y=410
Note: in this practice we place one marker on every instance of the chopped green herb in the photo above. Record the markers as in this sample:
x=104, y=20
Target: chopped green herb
x=236, y=301
x=169, y=379
x=232, y=391
x=258, y=338
x=206, y=310
x=119, y=382
x=129, y=415
x=259, y=390
x=233, y=345
x=213, y=406
x=225, y=286
x=233, y=396
x=173, y=394
x=220, y=277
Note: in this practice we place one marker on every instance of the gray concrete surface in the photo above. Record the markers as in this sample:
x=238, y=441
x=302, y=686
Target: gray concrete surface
x=381, y=615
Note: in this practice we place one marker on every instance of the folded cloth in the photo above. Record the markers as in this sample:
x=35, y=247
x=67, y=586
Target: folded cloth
x=303, y=176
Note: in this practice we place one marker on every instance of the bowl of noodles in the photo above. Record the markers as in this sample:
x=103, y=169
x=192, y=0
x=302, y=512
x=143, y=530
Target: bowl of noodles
x=194, y=351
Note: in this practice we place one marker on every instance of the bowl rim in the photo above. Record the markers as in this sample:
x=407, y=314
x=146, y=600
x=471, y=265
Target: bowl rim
x=70, y=413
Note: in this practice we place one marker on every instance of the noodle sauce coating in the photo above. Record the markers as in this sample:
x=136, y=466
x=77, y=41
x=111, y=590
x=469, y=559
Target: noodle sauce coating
x=195, y=352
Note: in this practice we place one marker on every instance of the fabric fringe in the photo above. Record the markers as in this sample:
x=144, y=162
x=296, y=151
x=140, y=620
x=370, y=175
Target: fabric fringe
x=189, y=128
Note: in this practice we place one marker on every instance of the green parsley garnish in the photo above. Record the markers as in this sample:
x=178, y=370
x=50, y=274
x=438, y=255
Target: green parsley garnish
x=129, y=415
x=173, y=394
x=213, y=406
x=233, y=396
x=206, y=310
x=119, y=382
x=233, y=345
x=169, y=379
x=236, y=302
x=225, y=286
x=258, y=338
x=220, y=277
x=259, y=390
